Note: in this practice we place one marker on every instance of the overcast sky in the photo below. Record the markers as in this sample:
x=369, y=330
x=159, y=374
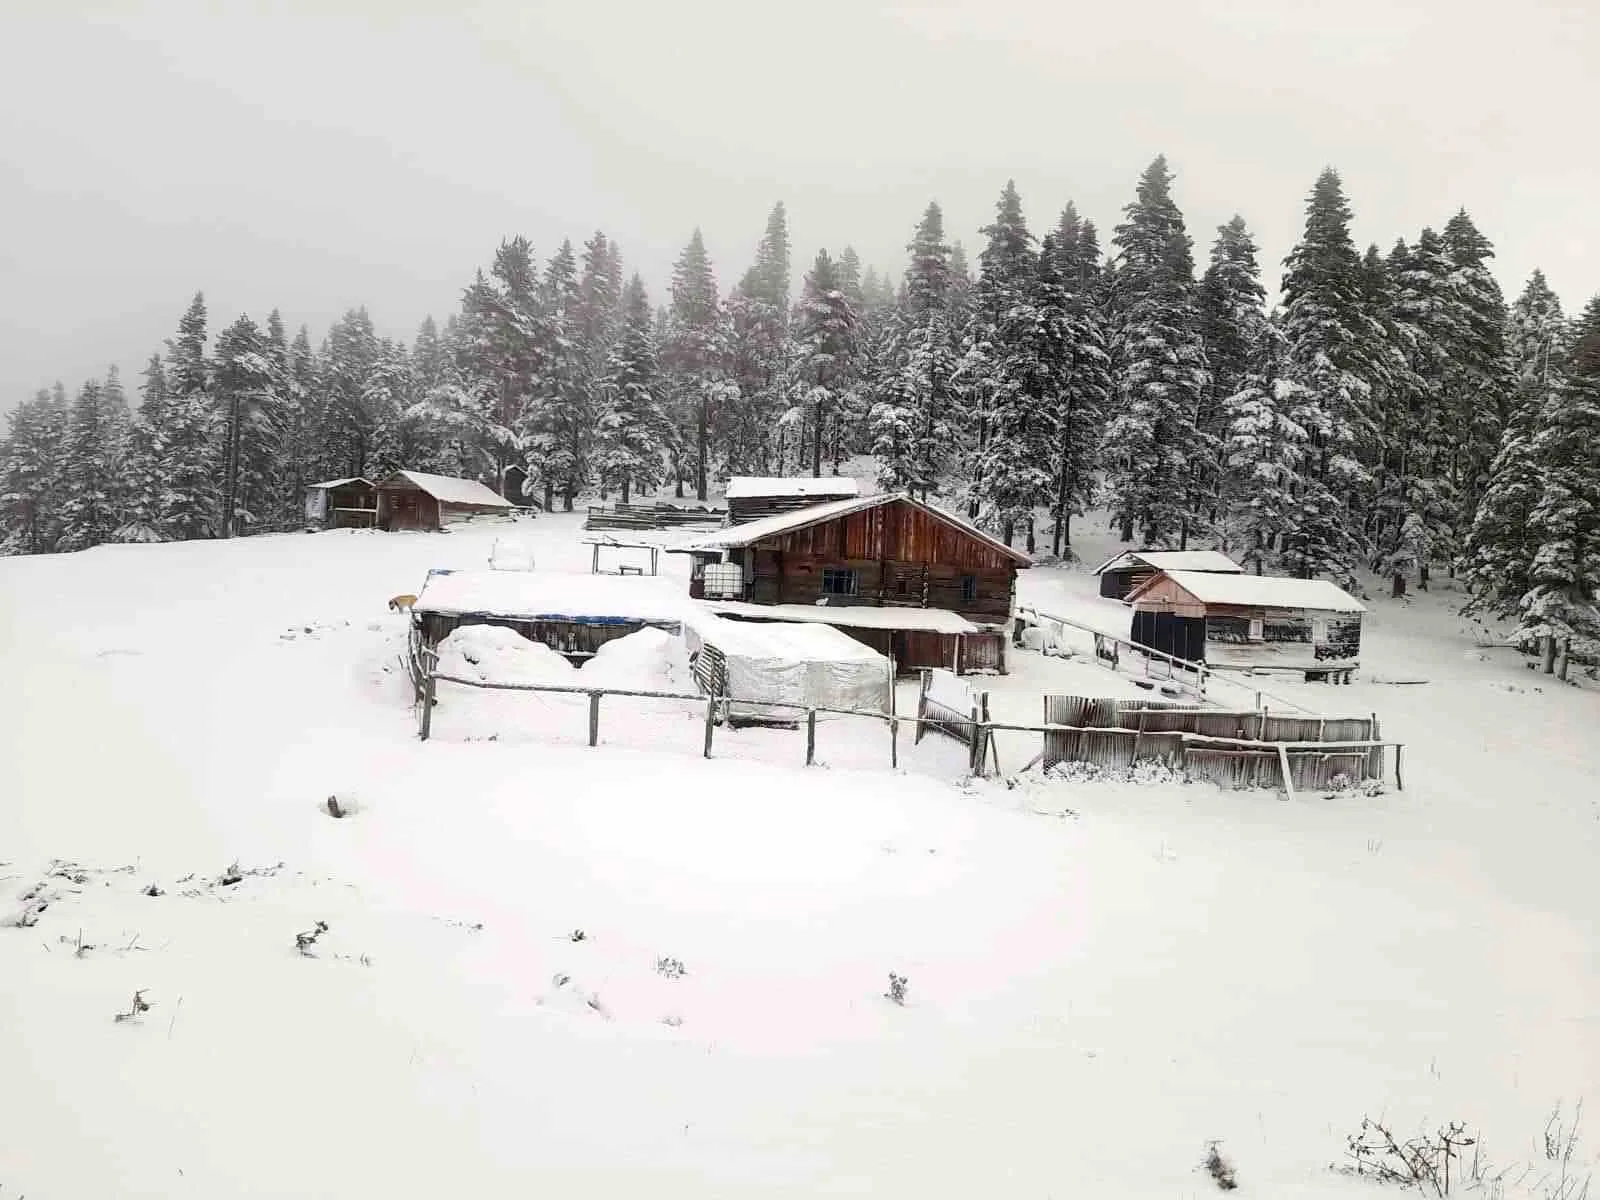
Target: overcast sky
x=319, y=156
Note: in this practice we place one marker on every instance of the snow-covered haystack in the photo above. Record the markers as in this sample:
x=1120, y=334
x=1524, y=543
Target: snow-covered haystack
x=649, y=660
x=497, y=655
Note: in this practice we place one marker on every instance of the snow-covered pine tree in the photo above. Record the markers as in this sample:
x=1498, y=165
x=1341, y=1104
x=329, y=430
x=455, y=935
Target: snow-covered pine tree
x=826, y=344
x=356, y=432
x=1263, y=452
x=1560, y=609
x=245, y=387
x=1478, y=381
x=191, y=445
x=755, y=376
x=30, y=467
x=633, y=424
x=695, y=357
x=1497, y=563
x=88, y=513
x=140, y=513
x=1334, y=347
x=1233, y=322
x=1159, y=369
x=849, y=264
x=1086, y=398
x=768, y=280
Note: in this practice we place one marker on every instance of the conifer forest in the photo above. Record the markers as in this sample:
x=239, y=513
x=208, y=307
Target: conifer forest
x=1393, y=413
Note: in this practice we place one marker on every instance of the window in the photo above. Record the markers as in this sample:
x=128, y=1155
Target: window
x=902, y=586
x=840, y=581
x=969, y=588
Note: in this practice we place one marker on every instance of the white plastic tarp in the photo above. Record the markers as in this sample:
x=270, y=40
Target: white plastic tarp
x=814, y=666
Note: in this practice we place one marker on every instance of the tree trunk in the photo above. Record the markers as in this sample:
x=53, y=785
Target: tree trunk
x=1548, y=645
x=1422, y=575
x=1561, y=663
x=550, y=496
x=625, y=482
x=566, y=501
x=1127, y=527
x=1031, y=546
x=702, y=433
x=1008, y=530
x=816, y=441
x=1397, y=587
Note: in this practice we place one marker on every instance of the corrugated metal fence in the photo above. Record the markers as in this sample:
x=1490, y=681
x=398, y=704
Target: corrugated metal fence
x=1231, y=749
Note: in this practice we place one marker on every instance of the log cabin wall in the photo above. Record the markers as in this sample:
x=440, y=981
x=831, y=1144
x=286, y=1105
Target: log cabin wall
x=902, y=557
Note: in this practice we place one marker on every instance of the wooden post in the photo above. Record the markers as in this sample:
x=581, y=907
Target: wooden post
x=1138, y=737
x=1288, y=775
x=594, y=718
x=711, y=722
x=955, y=664
x=429, y=685
x=811, y=736
x=894, y=742
x=594, y=564
x=988, y=737
x=922, y=705
x=1399, y=776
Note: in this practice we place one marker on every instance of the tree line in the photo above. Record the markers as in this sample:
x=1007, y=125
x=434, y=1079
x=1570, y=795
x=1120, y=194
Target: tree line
x=1392, y=413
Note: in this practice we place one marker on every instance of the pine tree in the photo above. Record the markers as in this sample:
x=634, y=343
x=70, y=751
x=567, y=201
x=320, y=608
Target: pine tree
x=1233, y=322
x=1497, y=564
x=88, y=515
x=695, y=355
x=191, y=446
x=1560, y=606
x=826, y=345
x=632, y=424
x=1086, y=396
x=30, y=467
x=358, y=423
x=1332, y=357
x=1263, y=453
x=140, y=514
x=246, y=400
x=768, y=280
x=1478, y=380
x=1159, y=368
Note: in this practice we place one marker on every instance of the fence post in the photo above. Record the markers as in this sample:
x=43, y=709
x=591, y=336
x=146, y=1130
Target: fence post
x=894, y=742
x=711, y=722
x=922, y=705
x=1399, y=777
x=429, y=684
x=594, y=718
x=811, y=736
x=1138, y=737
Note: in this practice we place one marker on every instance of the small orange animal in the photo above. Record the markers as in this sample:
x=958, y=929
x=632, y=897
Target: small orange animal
x=402, y=603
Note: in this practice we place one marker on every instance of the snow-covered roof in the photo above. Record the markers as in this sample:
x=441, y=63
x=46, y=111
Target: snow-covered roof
x=850, y=616
x=449, y=490
x=551, y=596
x=744, y=487
x=333, y=483
x=1257, y=591
x=737, y=536
x=792, y=641
x=1172, y=560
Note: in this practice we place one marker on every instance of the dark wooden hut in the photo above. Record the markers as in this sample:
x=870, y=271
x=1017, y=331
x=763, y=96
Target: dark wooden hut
x=752, y=497
x=909, y=580
x=1260, y=622
x=417, y=500
x=342, y=504
x=1123, y=572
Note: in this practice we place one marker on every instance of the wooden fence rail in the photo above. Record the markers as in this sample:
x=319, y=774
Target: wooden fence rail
x=1230, y=761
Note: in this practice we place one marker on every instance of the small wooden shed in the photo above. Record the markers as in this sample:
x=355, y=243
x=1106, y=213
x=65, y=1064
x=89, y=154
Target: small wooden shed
x=1249, y=621
x=752, y=497
x=1123, y=572
x=342, y=504
x=417, y=500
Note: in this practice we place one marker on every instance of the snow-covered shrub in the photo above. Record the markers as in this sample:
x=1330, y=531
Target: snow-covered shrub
x=671, y=968
x=897, y=988
x=1219, y=1168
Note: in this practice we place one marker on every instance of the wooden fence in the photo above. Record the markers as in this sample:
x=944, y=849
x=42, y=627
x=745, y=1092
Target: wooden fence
x=1253, y=748
x=649, y=516
x=1280, y=752
x=949, y=706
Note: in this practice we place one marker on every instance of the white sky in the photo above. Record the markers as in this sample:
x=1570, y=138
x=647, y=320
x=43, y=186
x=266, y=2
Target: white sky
x=322, y=155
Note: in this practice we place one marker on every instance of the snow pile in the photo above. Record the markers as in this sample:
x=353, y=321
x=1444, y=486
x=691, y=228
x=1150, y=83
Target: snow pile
x=497, y=655
x=1152, y=772
x=508, y=554
x=650, y=660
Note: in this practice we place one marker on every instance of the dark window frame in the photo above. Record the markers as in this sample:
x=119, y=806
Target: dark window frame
x=841, y=581
x=969, y=589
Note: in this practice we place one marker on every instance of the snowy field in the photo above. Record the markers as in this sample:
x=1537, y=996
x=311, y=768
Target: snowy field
x=628, y=971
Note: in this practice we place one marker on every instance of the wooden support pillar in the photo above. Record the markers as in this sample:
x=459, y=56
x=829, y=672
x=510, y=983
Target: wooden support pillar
x=811, y=736
x=429, y=686
x=711, y=722
x=1399, y=774
x=594, y=718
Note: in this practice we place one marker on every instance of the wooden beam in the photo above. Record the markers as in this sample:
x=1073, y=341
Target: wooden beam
x=1288, y=776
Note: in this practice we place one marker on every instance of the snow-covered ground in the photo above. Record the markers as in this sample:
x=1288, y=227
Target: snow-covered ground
x=1101, y=978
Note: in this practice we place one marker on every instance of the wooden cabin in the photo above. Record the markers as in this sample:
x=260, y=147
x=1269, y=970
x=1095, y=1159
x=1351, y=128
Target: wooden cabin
x=912, y=582
x=1123, y=572
x=753, y=498
x=572, y=614
x=417, y=500
x=342, y=504
x=1252, y=622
